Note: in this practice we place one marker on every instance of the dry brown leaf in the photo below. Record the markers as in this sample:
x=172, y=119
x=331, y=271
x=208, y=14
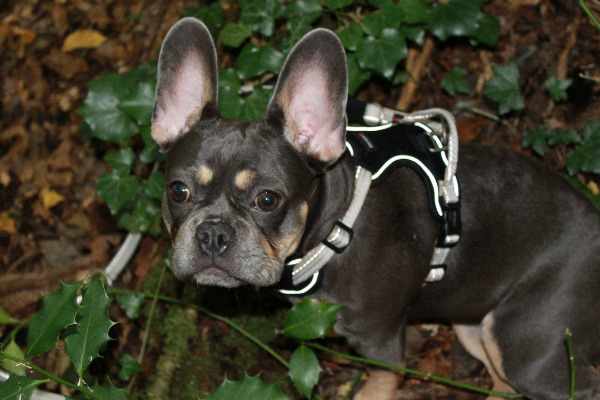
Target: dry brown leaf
x=50, y=198
x=83, y=39
x=7, y=224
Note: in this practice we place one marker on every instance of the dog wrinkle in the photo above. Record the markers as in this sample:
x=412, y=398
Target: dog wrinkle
x=204, y=174
x=243, y=178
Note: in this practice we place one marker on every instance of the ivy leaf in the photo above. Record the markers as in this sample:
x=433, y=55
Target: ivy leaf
x=58, y=311
x=18, y=388
x=151, y=151
x=558, y=88
x=211, y=15
x=234, y=35
x=230, y=104
x=456, y=82
x=504, y=88
x=247, y=389
x=248, y=63
x=488, y=30
x=337, y=4
x=91, y=331
x=139, y=103
x=261, y=15
x=144, y=217
x=129, y=367
x=310, y=320
x=304, y=370
x=117, y=190
x=586, y=158
x=356, y=75
x=375, y=23
x=309, y=10
x=154, y=187
x=100, y=109
x=351, y=36
x=297, y=26
x=414, y=11
x=455, y=18
x=537, y=139
x=131, y=304
x=382, y=54
x=271, y=59
x=569, y=136
x=121, y=160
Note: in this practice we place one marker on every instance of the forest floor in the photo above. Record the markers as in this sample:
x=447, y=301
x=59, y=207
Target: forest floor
x=53, y=227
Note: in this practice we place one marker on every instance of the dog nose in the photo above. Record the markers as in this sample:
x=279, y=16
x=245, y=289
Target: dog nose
x=214, y=237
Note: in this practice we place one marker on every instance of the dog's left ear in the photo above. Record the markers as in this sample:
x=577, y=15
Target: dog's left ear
x=311, y=93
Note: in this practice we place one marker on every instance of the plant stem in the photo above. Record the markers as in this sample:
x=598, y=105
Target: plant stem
x=54, y=378
x=415, y=372
x=571, y=360
x=589, y=13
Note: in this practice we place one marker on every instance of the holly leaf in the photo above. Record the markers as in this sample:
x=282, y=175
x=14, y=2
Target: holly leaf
x=91, y=331
x=9, y=365
x=456, y=82
x=455, y=18
x=558, y=88
x=504, y=88
x=101, y=112
x=310, y=320
x=234, y=35
x=382, y=54
x=586, y=157
x=139, y=103
x=5, y=318
x=247, y=388
x=117, y=190
x=111, y=392
x=18, y=388
x=304, y=370
x=131, y=304
x=58, y=311
x=121, y=160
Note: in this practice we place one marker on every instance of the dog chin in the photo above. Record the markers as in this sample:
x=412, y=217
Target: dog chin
x=216, y=277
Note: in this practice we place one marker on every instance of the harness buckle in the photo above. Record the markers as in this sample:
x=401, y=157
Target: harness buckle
x=340, y=239
x=451, y=226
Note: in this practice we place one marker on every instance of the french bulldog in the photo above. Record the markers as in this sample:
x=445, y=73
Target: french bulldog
x=241, y=197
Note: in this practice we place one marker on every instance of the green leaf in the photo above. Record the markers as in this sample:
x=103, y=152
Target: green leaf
x=100, y=109
x=228, y=80
x=111, y=392
x=356, y=75
x=455, y=18
x=248, y=62
x=488, y=30
x=151, y=151
x=586, y=158
x=569, y=136
x=234, y=35
x=131, y=304
x=18, y=388
x=382, y=54
x=9, y=365
x=212, y=15
x=154, y=187
x=247, y=389
x=139, y=103
x=5, y=318
x=310, y=320
x=117, y=190
x=91, y=331
x=304, y=370
x=230, y=104
x=121, y=160
x=414, y=11
x=337, y=4
x=271, y=59
x=255, y=105
x=537, y=139
x=351, y=35
x=144, y=216
x=58, y=311
x=456, y=82
x=129, y=367
x=297, y=26
x=558, y=88
x=309, y=10
x=261, y=15
x=504, y=88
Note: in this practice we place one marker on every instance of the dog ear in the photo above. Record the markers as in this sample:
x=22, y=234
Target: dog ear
x=186, y=81
x=311, y=93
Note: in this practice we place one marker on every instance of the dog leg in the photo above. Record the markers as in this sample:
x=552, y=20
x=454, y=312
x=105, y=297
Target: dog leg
x=380, y=385
x=472, y=338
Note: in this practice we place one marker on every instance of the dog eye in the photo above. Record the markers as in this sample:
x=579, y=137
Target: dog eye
x=179, y=192
x=267, y=201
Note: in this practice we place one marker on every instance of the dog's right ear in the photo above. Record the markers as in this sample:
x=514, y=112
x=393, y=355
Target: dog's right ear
x=186, y=81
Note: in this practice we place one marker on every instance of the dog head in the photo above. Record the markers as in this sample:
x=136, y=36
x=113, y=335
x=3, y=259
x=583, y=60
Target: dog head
x=236, y=200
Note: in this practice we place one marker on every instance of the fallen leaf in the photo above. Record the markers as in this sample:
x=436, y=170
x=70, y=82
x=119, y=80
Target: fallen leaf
x=7, y=224
x=63, y=64
x=83, y=39
x=50, y=198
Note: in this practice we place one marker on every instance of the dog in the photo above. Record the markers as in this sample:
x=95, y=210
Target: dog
x=241, y=197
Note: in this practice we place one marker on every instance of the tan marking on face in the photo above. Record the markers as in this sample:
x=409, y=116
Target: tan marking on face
x=204, y=174
x=243, y=178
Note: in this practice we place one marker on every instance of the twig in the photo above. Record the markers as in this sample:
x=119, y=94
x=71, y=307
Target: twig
x=571, y=360
x=414, y=67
